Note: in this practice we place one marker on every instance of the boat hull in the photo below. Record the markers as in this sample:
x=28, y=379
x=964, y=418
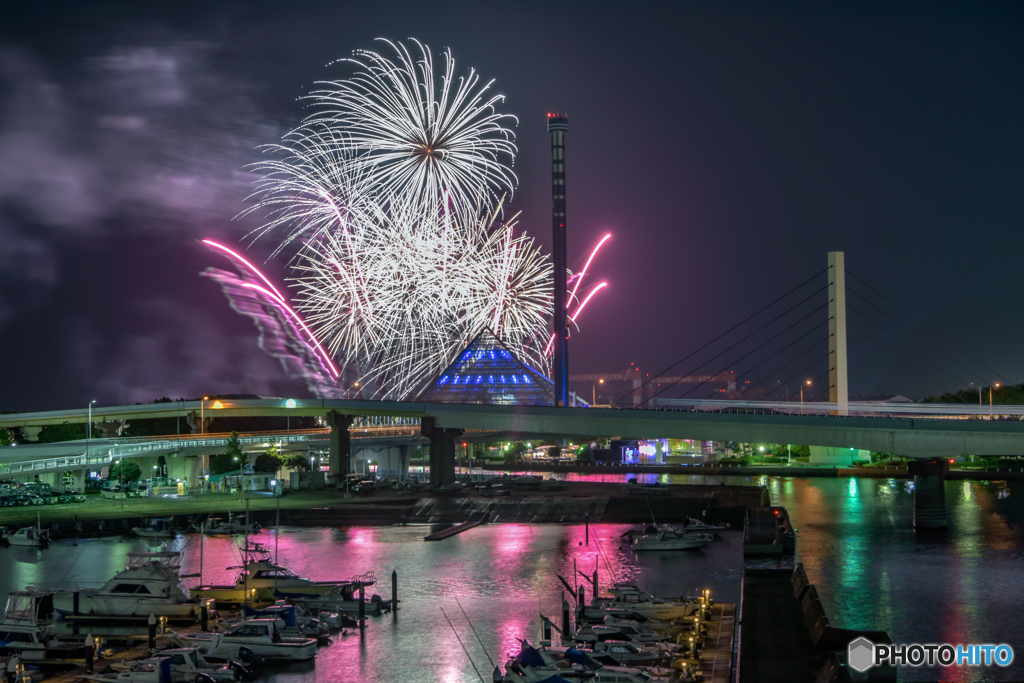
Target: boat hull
x=129, y=607
x=668, y=544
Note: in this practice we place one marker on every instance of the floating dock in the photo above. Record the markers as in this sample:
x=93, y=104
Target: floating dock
x=453, y=530
x=716, y=656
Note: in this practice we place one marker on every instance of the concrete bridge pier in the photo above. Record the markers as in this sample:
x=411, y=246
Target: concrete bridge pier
x=929, y=493
x=442, y=451
x=341, y=446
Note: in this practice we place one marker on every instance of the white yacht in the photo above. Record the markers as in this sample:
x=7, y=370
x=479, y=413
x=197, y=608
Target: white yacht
x=149, y=584
x=27, y=625
x=260, y=636
x=627, y=596
x=270, y=582
x=29, y=536
x=667, y=538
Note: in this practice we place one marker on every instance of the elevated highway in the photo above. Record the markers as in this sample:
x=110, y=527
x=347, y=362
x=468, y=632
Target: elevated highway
x=928, y=433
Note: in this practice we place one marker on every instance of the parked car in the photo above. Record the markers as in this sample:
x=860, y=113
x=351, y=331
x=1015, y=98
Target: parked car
x=364, y=486
x=74, y=496
x=22, y=500
x=6, y=501
x=48, y=497
x=113, y=491
x=36, y=499
x=488, y=490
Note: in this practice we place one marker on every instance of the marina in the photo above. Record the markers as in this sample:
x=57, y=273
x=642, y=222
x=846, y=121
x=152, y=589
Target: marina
x=495, y=581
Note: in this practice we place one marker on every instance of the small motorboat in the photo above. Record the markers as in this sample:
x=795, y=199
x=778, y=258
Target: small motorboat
x=622, y=653
x=261, y=637
x=234, y=526
x=698, y=525
x=185, y=665
x=666, y=538
x=630, y=597
x=29, y=536
x=158, y=528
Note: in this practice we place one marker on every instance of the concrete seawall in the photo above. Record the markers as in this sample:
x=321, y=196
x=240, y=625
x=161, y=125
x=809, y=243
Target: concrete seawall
x=594, y=502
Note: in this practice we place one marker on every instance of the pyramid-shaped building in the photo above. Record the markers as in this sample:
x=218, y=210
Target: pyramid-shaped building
x=487, y=372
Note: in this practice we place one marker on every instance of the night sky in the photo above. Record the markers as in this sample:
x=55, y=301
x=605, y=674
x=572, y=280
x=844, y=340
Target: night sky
x=727, y=146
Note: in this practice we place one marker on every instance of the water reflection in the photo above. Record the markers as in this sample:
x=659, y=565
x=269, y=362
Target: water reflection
x=856, y=540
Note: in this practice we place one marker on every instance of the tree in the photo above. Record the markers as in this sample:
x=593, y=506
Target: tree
x=62, y=432
x=233, y=449
x=299, y=463
x=125, y=471
x=5, y=437
x=268, y=462
x=221, y=463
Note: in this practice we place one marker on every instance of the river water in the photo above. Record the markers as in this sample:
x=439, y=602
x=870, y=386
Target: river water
x=487, y=587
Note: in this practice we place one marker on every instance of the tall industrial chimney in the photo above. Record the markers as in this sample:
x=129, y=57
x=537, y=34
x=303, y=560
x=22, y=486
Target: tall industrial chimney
x=558, y=126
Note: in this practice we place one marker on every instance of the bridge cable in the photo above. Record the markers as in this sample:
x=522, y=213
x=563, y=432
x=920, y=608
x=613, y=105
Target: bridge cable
x=929, y=327
x=940, y=367
x=777, y=368
x=903, y=358
x=741, y=323
x=912, y=380
x=866, y=383
x=914, y=333
x=720, y=354
x=863, y=382
x=825, y=357
x=758, y=348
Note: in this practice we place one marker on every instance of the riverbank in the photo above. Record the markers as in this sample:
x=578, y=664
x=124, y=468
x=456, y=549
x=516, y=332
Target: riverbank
x=782, y=470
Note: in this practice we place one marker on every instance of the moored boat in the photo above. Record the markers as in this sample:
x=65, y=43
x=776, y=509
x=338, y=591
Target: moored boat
x=259, y=636
x=666, y=538
x=158, y=528
x=29, y=536
x=149, y=584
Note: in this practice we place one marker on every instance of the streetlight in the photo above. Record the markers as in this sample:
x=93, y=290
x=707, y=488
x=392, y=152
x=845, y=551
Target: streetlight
x=202, y=415
x=594, y=391
x=990, y=398
x=88, y=430
x=802, y=396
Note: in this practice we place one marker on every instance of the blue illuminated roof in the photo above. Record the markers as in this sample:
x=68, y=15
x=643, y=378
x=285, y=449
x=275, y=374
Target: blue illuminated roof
x=487, y=372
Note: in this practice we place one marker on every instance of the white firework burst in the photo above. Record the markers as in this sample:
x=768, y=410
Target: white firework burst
x=420, y=136
x=403, y=294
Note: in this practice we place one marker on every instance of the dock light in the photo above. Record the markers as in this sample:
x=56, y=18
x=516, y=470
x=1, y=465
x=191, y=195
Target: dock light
x=290, y=403
x=273, y=482
x=217, y=404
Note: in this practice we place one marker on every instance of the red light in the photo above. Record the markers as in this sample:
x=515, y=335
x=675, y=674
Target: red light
x=464, y=444
x=952, y=460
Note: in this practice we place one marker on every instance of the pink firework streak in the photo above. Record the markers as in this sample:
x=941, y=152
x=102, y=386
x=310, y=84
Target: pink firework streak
x=572, y=296
x=278, y=299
